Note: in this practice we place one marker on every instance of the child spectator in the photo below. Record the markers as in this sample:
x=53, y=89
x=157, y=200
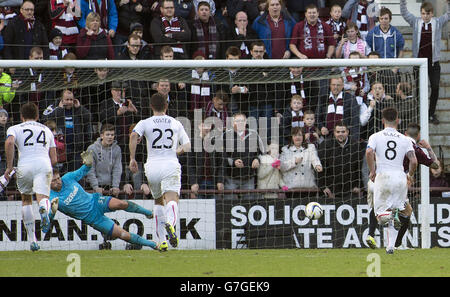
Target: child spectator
x=269, y=175
x=356, y=80
x=336, y=22
x=56, y=50
x=292, y=117
x=299, y=160
x=351, y=41
x=60, y=145
x=310, y=129
x=357, y=11
x=106, y=170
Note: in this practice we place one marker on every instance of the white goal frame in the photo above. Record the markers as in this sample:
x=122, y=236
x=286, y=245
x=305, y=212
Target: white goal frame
x=424, y=215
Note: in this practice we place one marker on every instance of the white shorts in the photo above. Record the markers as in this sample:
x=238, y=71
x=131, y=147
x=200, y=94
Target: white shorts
x=163, y=176
x=389, y=191
x=34, y=178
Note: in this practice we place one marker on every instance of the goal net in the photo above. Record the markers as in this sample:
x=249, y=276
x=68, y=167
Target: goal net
x=268, y=137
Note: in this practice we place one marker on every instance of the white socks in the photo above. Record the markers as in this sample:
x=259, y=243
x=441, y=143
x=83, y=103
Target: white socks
x=391, y=235
x=172, y=213
x=28, y=221
x=45, y=203
x=160, y=221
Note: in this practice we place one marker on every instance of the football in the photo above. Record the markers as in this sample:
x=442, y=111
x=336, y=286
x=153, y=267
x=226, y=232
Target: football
x=314, y=211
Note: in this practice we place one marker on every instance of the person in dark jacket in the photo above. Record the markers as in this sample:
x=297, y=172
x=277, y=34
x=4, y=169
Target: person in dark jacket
x=241, y=34
x=249, y=7
x=93, y=42
x=74, y=120
x=24, y=32
x=341, y=162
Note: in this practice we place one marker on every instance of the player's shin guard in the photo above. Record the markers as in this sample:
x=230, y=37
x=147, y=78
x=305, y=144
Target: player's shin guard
x=405, y=225
x=133, y=207
x=172, y=212
x=160, y=221
x=136, y=239
x=28, y=221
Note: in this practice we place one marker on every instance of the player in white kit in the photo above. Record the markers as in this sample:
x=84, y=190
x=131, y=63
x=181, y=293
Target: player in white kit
x=36, y=156
x=166, y=138
x=385, y=153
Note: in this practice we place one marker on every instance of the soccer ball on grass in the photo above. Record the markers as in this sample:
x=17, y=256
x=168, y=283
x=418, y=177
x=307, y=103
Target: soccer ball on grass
x=314, y=211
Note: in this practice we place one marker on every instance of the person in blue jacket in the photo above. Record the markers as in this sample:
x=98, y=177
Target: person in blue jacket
x=69, y=197
x=108, y=13
x=274, y=27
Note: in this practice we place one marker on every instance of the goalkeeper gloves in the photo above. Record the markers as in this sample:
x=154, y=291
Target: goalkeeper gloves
x=87, y=158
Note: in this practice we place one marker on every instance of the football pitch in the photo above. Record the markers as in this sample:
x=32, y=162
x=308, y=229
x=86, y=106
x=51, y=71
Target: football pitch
x=228, y=263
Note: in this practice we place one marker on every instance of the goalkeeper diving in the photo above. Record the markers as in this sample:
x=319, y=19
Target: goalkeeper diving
x=69, y=197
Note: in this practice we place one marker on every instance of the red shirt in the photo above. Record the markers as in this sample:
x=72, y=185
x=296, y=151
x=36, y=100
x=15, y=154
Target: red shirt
x=426, y=49
x=422, y=158
x=278, y=37
x=298, y=39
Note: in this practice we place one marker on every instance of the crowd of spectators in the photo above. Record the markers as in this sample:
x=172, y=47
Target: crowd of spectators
x=324, y=124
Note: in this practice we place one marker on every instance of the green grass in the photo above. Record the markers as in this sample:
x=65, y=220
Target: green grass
x=227, y=263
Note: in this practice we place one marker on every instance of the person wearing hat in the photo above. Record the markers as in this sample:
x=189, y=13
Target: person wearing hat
x=129, y=12
x=64, y=15
x=56, y=50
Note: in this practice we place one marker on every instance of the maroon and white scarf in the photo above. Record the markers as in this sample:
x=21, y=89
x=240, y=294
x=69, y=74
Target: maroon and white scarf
x=297, y=87
x=351, y=75
x=320, y=40
x=207, y=45
x=102, y=10
x=173, y=26
x=362, y=20
x=338, y=27
x=335, y=110
x=29, y=23
x=297, y=119
x=200, y=91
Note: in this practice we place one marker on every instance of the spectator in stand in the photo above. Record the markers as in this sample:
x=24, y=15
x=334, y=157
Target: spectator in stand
x=56, y=50
x=386, y=39
x=206, y=33
x=312, y=38
x=178, y=105
x=200, y=88
x=32, y=80
x=75, y=122
x=427, y=32
x=8, y=10
x=406, y=105
x=93, y=42
x=357, y=12
x=24, y=32
x=205, y=170
x=336, y=22
x=292, y=117
x=299, y=162
x=351, y=41
x=138, y=29
x=242, y=35
x=294, y=86
x=387, y=77
x=269, y=173
x=69, y=74
x=341, y=160
x=106, y=170
x=338, y=106
x=311, y=132
x=60, y=145
x=217, y=107
x=166, y=53
x=297, y=8
x=133, y=49
x=99, y=91
x=7, y=88
x=107, y=12
x=274, y=28
x=241, y=162
x=4, y=125
x=170, y=29
x=249, y=7
x=382, y=100
x=64, y=16
x=128, y=12
x=121, y=113
x=438, y=180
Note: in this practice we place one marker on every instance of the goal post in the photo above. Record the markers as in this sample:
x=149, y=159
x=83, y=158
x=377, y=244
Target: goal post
x=175, y=70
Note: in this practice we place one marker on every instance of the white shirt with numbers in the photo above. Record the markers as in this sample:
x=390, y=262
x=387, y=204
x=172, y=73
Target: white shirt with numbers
x=163, y=134
x=390, y=147
x=33, y=141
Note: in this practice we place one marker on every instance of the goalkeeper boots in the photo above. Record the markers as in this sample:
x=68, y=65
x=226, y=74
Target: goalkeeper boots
x=173, y=239
x=162, y=247
x=45, y=220
x=34, y=247
x=371, y=242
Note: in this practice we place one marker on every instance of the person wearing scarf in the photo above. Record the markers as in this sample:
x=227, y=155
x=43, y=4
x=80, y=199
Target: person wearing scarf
x=205, y=33
x=170, y=30
x=312, y=38
x=356, y=11
x=22, y=33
